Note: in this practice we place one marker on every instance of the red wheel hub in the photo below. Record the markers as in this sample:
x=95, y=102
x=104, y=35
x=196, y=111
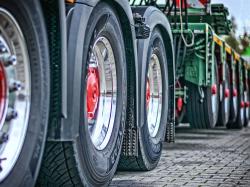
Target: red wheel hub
x=214, y=89
x=242, y=104
x=147, y=93
x=93, y=92
x=235, y=92
x=3, y=91
x=227, y=93
x=247, y=104
x=179, y=104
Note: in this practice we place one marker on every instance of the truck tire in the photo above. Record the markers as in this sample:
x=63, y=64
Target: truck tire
x=240, y=120
x=24, y=91
x=224, y=109
x=203, y=113
x=92, y=158
x=154, y=107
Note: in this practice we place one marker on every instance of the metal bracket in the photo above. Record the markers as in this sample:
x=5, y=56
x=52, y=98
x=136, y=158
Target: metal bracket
x=201, y=93
x=142, y=30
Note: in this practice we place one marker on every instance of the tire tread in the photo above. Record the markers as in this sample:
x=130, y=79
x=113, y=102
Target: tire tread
x=59, y=167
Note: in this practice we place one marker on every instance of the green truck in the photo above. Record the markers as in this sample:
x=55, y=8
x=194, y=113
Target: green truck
x=91, y=86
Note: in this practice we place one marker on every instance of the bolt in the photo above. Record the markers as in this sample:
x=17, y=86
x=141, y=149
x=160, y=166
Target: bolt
x=11, y=114
x=4, y=138
x=16, y=86
x=8, y=60
x=3, y=49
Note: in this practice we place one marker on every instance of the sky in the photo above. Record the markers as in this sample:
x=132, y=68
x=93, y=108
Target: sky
x=240, y=9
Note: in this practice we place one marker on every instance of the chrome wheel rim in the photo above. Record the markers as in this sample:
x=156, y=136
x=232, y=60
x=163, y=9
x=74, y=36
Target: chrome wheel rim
x=227, y=100
x=246, y=107
x=214, y=103
x=235, y=100
x=15, y=63
x=101, y=109
x=242, y=114
x=154, y=95
x=215, y=98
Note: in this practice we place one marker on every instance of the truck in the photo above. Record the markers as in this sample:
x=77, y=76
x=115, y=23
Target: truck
x=91, y=86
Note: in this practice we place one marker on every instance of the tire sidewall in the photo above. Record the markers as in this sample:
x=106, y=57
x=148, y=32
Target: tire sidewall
x=208, y=97
x=34, y=32
x=151, y=146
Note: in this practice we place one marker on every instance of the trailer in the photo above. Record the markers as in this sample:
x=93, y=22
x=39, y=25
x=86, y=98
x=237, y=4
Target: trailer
x=91, y=86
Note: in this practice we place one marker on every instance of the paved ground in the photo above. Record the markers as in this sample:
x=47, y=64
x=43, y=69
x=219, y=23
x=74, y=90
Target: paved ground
x=217, y=157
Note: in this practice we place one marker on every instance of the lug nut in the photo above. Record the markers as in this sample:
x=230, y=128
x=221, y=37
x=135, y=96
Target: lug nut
x=8, y=60
x=16, y=86
x=4, y=137
x=11, y=114
x=3, y=49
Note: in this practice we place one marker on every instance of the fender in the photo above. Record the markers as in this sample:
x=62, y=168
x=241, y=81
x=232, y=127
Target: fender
x=155, y=18
x=68, y=129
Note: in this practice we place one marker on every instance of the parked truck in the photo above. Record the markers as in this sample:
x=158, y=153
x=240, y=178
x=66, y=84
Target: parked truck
x=89, y=86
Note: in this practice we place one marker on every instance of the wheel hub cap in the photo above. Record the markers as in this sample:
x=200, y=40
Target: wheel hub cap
x=235, y=92
x=3, y=92
x=242, y=104
x=147, y=93
x=93, y=91
x=179, y=104
x=227, y=93
x=214, y=89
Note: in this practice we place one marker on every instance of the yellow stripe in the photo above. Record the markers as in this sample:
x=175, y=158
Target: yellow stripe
x=217, y=40
x=228, y=49
x=237, y=56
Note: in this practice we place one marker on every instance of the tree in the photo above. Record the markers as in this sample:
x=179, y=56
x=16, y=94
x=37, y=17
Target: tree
x=231, y=39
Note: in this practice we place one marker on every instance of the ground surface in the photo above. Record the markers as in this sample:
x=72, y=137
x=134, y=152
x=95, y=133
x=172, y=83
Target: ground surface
x=217, y=157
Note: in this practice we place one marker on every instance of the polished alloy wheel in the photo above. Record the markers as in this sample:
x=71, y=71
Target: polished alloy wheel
x=154, y=95
x=15, y=91
x=215, y=96
x=235, y=99
x=101, y=92
x=227, y=100
x=214, y=99
x=246, y=104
